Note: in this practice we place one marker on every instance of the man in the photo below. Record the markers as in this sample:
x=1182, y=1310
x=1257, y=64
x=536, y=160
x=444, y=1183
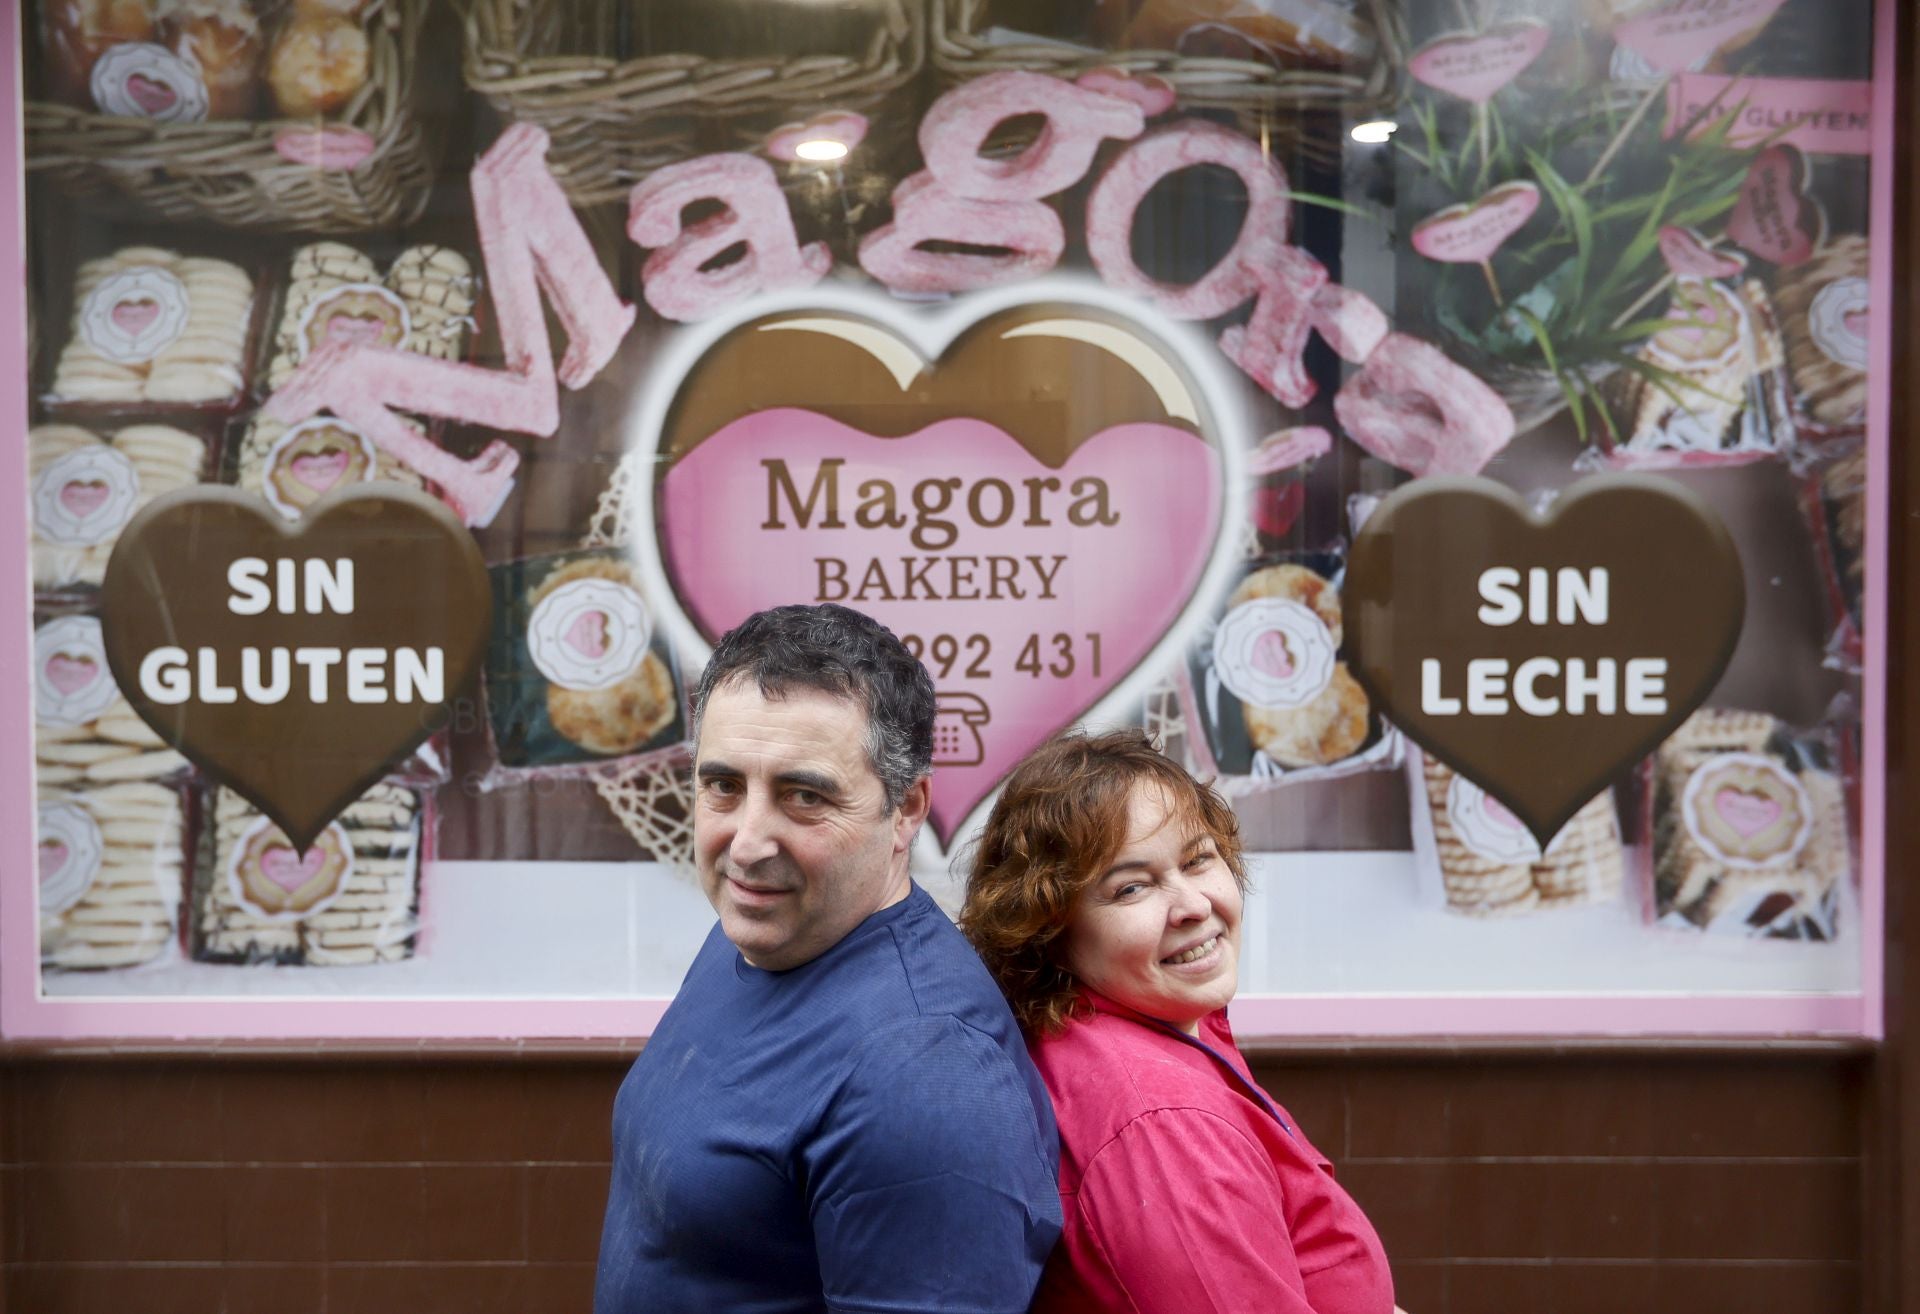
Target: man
x=837, y=1112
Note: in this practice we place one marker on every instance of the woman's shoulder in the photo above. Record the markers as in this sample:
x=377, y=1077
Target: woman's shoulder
x=1104, y=1071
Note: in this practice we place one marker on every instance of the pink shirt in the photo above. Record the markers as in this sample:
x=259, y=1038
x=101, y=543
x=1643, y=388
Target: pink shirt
x=1186, y=1189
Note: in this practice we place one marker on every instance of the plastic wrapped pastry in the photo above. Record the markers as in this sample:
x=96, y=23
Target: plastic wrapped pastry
x=153, y=326
x=110, y=860
x=423, y=303
x=1268, y=689
x=84, y=490
x=85, y=733
x=576, y=673
x=1749, y=829
x=1486, y=862
x=319, y=62
x=1824, y=306
x=353, y=897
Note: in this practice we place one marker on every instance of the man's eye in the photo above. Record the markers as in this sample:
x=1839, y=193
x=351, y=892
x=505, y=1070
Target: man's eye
x=805, y=798
x=721, y=787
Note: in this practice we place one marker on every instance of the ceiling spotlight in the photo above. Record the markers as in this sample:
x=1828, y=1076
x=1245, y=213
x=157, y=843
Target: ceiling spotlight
x=824, y=150
x=1374, y=132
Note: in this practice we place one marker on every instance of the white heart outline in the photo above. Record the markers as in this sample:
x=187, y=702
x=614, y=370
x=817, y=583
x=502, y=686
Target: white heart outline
x=930, y=336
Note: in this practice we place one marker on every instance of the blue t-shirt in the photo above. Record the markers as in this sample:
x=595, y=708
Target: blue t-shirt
x=862, y=1133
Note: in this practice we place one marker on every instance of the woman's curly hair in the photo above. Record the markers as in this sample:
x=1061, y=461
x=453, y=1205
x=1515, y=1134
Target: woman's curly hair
x=1060, y=820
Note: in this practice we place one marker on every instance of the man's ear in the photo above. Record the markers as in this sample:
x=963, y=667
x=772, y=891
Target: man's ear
x=912, y=813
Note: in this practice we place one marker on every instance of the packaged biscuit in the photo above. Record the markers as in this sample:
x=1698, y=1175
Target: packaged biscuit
x=154, y=327
x=1833, y=496
x=577, y=673
x=1266, y=690
x=1824, y=308
x=110, y=859
x=1477, y=859
x=423, y=303
x=85, y=732
x=1749, y=828
x=1711, y=390
x=352, y=897
x=86, y=487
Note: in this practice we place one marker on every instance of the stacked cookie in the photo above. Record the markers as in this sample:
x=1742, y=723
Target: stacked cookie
x=150, y=325
x=351, y=897
x=1275, y=647
x=335, y=293
x=85, y=733
x=1491, y=866
x=85, y=489
x=109, y=860
x=1749, y=835
x=1823, y=307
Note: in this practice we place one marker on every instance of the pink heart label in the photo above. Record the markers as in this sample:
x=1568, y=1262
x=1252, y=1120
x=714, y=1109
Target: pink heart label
x=1500, y=814
x=134, y=317
x=1857, y=323
x=335, y=149
x=1469, y=233
x=289, y=870
x=71, y=674
x=1748, y=814
x=1035, y=590
x=1678, y=35
x=53, y=856
x=151, y=96
x=1688, y=256
x=1773, y=218
x=588, y=635
x=355, y=329
x=1475, y=67
x=83, y=498
x=1701, y=316
x=319, y=470
x=1271, y=656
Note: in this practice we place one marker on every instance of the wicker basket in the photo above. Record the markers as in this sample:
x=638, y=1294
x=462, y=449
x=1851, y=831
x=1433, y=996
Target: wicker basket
x=1265, y=99
x=228, y=171
x=613, y=121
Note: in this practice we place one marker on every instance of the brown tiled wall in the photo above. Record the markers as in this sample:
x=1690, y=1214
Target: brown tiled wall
x=1570, y=1186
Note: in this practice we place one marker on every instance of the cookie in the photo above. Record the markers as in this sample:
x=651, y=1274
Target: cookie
x=151, y=325
x=1823, y=306
x=109, y=875
x=351, y=896
x=84, y=730
x=84, y=489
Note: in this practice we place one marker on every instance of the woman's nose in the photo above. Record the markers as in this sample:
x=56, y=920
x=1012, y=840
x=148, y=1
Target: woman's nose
x=1189, y=902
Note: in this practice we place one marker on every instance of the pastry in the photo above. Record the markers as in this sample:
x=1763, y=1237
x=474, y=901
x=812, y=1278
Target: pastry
x=318, y=63
x=85, y=489
x=423, y=303
x=109, y=871
x=1749, y=834
x=1824, y=306
x=1491, y=864
x=221, y=38
x=1275, y=648
x=153, y=326
x=78, y=32
x=1285, y=33
x=1694, y=396
x=85, y=732
x=351, y=897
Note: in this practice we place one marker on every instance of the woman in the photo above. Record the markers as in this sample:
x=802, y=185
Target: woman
x=1105, y=898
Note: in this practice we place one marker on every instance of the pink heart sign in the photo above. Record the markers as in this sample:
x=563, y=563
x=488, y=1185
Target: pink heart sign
x=53, y=856
x=588, y=635
x=1033, y=511
x=355, y=329
x=1688, y=256
x=1271, y=656
x=83, y=497
x=150, y=95
x=1748, y=814
x=71, y=674
x=1774, y=218
x=290, y=870
x=320, y=470
x=1475, y=66
x=133, y=317
x=1678, y=35
x=1470, y=232
x=333, y=148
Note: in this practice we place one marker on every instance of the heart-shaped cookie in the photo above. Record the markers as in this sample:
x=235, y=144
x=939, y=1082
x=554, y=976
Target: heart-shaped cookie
x=1470, y=232
x=299, y=737
x=1033, y=498
x=1475, y=65
x=1465, y=615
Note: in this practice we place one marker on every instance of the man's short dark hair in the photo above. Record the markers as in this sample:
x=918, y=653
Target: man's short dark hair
x=837, y=651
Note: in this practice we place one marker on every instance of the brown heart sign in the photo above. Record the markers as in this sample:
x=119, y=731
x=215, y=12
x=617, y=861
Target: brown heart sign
x=295, y=662
x=1540, y=657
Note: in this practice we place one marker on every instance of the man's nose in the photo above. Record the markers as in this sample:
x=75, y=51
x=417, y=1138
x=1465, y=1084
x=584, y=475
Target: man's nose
x=753, y=834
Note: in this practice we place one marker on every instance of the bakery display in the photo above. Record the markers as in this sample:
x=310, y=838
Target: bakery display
x=1824, y=308
x=85, y=733
x=1749, y=830
x=576, y=672
x=352, y=897
x=152, y=326
x=109, y=874
x=85, y=487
